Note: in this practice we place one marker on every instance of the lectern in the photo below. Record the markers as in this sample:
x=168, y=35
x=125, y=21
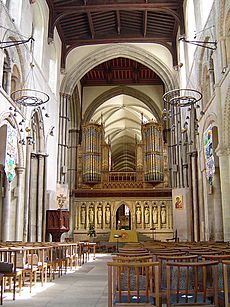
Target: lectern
x=57, y=222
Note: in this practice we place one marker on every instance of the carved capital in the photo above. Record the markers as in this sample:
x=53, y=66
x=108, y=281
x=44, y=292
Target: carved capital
x=19, y=169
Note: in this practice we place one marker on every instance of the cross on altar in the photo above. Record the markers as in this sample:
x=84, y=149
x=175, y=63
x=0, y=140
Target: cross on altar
x=61, y=199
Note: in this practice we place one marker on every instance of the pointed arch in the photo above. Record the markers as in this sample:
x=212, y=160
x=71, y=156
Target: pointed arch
x=106, y=53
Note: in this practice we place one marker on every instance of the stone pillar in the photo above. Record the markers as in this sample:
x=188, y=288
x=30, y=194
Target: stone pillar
x=6, y=211
x=27, y=192
x=195, y=197
x=223, y=154
x=19, y=171
x=33, y=198
x=44, y=205
x=40, y=194
x=218, y=215
x=72, y=170
x=63, y=138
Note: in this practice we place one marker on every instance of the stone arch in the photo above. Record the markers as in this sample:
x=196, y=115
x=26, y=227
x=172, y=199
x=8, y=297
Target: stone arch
x=118, y=91
x=113, y=51
x=37, y=132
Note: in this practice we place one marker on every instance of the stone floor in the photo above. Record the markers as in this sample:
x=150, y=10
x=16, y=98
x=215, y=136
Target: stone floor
x=86, y=287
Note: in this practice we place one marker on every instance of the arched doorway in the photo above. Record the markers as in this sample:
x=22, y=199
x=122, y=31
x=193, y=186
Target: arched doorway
x=123, y=218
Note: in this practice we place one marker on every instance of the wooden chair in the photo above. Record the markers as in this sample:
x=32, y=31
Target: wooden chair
x=226, y=274
x=9, y=270
x=133, y=284
x=192, y=283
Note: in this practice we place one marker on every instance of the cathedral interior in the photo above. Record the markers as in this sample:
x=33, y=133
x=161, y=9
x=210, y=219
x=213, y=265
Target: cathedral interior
x=114, y=115
x=115, y=153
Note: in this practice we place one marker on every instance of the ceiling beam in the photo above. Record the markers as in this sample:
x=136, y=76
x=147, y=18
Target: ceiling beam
x=118, y=22
x=77, y=9
x=91, y=27
x=114, y=6
x=145, y=20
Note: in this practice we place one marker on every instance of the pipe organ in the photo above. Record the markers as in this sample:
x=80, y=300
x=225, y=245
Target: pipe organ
x=92, y=139
x=100, y=191
x=153, y=152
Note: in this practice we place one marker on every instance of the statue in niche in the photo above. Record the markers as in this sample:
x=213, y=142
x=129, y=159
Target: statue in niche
x=146, y=215
x=155, y=214
x=138, y=215
x=99, y=215
x=83, y=215
x=107, y=215
x=163, y=215
x=91, y=215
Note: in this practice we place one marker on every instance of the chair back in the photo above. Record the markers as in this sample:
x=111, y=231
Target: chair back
x=132, y=283
x=192, y=283
x=226, y=273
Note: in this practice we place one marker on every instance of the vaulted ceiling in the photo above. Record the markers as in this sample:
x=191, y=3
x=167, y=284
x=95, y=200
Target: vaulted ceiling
x=87, y=22
x=122, y=117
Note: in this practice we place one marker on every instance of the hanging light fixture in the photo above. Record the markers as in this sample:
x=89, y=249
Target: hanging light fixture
x=27, y=95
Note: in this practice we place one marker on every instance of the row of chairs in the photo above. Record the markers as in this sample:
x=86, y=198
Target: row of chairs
x=156, y=276
x=21, y=262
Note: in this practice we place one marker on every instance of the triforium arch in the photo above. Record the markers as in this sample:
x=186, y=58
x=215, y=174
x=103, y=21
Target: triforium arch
x=114, y=51
x=125, y=90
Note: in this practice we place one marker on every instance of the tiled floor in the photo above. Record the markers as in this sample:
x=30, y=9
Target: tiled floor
x=86, y=287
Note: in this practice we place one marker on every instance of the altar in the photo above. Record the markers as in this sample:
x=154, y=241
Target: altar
x=123, y=236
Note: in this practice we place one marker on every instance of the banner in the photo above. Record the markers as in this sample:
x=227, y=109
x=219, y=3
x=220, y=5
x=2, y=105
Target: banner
x=208, y=153
x=11, y=153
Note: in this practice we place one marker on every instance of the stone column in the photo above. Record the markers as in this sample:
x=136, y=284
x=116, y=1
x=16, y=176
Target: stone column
x=27, y=192
x=44, y=205
x=33, y=198
x=6, y=211
x=19, y=171
x=223, y=154
x=218, y=215
x=40, y=194
x=63, y=138
x=195, y=197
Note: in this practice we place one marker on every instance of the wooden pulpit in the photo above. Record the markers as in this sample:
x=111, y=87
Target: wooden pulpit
x=57, y=222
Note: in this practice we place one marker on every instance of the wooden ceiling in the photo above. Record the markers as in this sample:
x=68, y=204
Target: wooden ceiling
x=88, y=22
x=120, y=71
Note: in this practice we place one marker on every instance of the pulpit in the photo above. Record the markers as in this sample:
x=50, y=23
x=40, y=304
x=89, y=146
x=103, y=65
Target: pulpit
x=57, y=222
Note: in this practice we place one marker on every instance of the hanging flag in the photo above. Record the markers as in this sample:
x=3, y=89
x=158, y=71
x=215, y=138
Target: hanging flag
x=11, y=153
x=208, y=152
